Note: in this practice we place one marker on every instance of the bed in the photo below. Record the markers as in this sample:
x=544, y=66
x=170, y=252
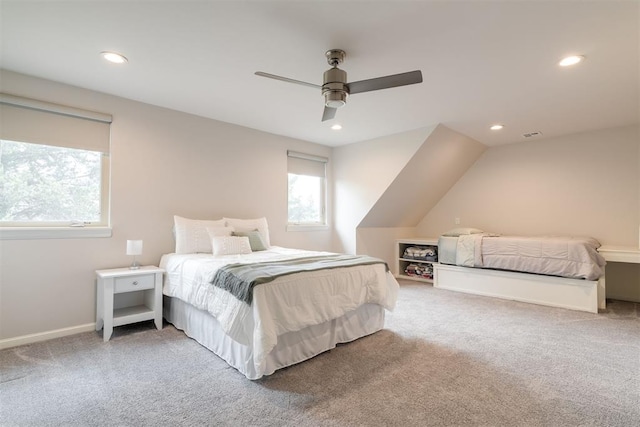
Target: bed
x=563, y=272
x=289, y=319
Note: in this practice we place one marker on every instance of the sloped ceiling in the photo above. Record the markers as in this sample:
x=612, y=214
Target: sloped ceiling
x=436, y=166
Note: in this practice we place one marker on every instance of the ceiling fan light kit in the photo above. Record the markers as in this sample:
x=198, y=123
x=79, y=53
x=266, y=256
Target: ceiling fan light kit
x=335, y=88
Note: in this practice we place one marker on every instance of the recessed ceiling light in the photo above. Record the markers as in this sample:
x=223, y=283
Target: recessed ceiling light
x=571, y=60
x=336, y=127
x=114, y=57
x=496, y=127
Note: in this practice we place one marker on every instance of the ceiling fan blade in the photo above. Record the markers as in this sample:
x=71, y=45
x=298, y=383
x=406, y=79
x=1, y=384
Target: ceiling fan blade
x=286, y=79
x=328, y=113
x=395, y=80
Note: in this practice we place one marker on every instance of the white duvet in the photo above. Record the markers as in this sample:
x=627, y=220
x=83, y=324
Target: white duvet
x=287, y=304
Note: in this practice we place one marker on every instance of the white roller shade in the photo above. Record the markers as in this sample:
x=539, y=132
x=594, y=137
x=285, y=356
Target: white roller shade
x=306, y=164
x=27, y=120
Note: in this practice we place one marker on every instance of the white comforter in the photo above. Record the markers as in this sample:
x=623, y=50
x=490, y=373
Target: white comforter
x=289, y=303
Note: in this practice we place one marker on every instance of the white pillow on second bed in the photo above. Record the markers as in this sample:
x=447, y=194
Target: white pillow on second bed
x=461, y=231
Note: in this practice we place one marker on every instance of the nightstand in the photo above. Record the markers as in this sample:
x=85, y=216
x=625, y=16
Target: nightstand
x=127, y=296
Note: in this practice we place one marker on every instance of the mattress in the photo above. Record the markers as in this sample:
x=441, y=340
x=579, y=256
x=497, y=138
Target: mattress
x=288, y=304
x=572, y=257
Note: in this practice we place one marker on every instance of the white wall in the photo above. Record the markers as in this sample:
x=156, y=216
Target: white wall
x=380, y=242
x=361, y=173
x=583, y=184
x=433, y=169
x=163, y=163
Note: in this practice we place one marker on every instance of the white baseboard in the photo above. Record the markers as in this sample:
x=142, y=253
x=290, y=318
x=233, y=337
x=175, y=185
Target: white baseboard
x=44, y=336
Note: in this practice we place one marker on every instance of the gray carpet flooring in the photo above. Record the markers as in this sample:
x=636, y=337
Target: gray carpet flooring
x=443, y=359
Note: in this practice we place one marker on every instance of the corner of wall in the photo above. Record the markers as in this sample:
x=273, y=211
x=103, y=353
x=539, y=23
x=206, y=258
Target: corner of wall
x=442, y=158
x=361, y=173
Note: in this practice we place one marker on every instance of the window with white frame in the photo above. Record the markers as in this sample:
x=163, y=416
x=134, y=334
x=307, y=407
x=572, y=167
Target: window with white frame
x=54, y=165
x=307, y=191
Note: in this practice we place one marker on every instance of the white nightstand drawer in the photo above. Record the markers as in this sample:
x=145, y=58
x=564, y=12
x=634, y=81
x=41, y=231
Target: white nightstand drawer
x=134, y=283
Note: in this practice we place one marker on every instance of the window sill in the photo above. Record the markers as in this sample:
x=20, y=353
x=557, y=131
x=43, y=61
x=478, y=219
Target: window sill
x=299, y=227
x=29, y=233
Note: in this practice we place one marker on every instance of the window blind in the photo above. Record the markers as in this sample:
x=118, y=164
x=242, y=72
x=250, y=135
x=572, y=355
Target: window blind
x=29, y=120
x=306, y=164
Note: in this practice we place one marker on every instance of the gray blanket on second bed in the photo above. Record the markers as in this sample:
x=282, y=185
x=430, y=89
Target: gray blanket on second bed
x=574, y=257
x=240, y=279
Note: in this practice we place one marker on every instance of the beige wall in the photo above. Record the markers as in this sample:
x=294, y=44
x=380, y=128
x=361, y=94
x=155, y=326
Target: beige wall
x=582, y=184
x=434, y=168
x=362, y=172
x=380, y=242
x=162, y=163
x=165, y=162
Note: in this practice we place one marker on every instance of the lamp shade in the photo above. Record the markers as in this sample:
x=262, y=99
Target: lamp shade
x=134, y=247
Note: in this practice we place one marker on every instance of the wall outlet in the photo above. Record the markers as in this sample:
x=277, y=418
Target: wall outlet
x=457, y=221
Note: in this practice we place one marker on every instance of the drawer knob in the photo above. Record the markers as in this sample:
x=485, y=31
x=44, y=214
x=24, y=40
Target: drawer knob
x=135, y=282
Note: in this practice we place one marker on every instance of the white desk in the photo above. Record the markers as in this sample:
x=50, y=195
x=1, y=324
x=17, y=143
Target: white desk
x=623, y=254
x=627, y=254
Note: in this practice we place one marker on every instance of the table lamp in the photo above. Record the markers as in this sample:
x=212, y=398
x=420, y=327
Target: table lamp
x=134, y=247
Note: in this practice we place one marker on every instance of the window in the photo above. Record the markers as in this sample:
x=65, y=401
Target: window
x=307, y=190
x=54, y=165
x=43, y=183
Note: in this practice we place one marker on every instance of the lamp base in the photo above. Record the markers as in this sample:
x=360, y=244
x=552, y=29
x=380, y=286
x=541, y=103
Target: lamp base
x=135, y=265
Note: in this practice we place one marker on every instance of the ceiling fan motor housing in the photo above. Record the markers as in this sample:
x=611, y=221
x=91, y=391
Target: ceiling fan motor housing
x=335, y=89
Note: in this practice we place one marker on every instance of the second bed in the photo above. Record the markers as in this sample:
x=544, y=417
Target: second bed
x=563, y=272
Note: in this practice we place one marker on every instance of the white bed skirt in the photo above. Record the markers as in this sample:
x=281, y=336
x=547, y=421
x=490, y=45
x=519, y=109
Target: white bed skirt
x=292, y=347
x=575, y=294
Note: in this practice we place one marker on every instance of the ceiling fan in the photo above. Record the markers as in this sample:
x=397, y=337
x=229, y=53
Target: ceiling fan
x=335, y=88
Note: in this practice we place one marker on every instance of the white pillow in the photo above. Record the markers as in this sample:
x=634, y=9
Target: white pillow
x=230, y=245
x=463, y=230
x=219, y=231
x=192, y=236
x=259, y=224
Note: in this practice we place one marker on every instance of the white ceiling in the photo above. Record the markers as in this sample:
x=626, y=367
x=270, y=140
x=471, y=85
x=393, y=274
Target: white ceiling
x=482, y=62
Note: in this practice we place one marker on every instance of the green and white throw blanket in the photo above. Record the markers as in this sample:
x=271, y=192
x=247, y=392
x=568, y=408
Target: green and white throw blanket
x=240, y=279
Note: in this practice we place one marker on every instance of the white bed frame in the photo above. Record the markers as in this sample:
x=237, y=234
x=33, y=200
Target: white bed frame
x=292, y=347
x=575, y=294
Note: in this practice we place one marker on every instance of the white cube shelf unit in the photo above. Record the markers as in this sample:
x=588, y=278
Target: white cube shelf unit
x=416, y=263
